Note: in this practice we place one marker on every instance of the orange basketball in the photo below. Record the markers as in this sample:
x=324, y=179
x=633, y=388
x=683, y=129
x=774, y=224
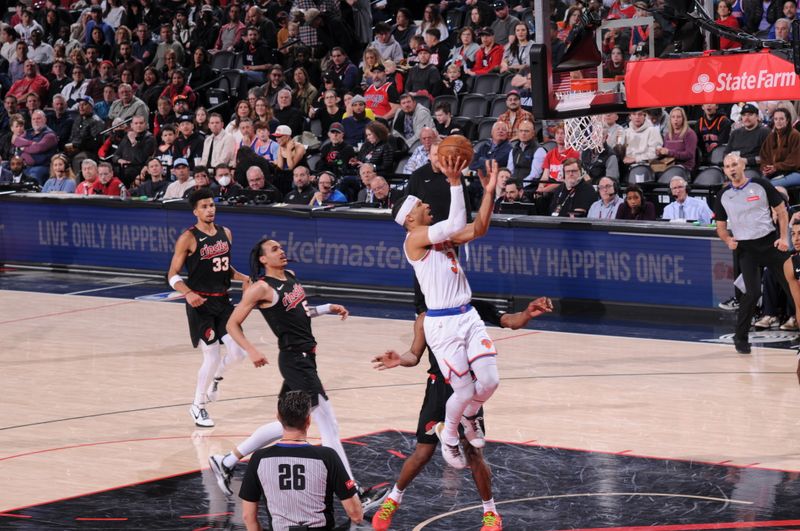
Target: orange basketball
x=456, y=146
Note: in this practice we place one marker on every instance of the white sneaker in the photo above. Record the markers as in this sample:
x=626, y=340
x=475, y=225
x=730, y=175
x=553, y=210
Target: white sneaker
x=473, y=431
x=767, y=322
x=222, y=473
x=452, y=454
x=790, y=324
x=213, y=390
x=200, y=416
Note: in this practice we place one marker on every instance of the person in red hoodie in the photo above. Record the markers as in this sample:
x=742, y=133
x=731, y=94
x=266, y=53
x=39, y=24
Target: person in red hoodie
x=107, y=182
x=553, y=161
x=489, y=56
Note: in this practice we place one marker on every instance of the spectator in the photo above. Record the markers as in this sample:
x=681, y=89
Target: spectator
x=749, y=138
x=440, y=51
x=444, y=120
x=554, y=160
x=127, y=105
x=37, y=146
x=201, y=71
x=102, y=107
x=680, y=142
x=264, y=146
x=489, y=57
x=355, y=124
x=109, y=184
x=514, y=114
x=381, y=96
x=386, y=45
x=144, y=49
x=523, y=151
x=615, y=64
x=761, y=16
x=84, y=139
x=106, y=78
x=32, y=81
x=288, y=115
x=344, y=72
x=274, y=85
x=219, y=147
x=575, y=195
x=641, y=139
x=504, y=23
x=59, y=121
x=27, y=26
x=41, y=52
x=725, y=18
x=114, y=13
x=607, y=206
x=424, y=78
x=780, y=152
x=178, y=87
x=98, y=41
x=16, y=128
x=366, y=173
x=166, y=151
x=151, y=181
x=89, y=184
x=167, y=43
x=686, y=207
x=636, y=207
x=330, y=111
x=189, y=143
x=713, y=129
x=601, y=163
x=410, y=120
x=96, y=21
x=383, y=196
x=224, y=186
x=498, y=148
x=258, y=183
x=256, y=55
x=658, y=118
x=432, y=18
x=206, y=29
x=178, y=188
x=290, y=153
x=336, y=154
x=163, y=115
x=463, y=55
x=517, y=55
x=201, y=180
x=10, y=37
x=16, y=174
x=57, y=78
x=254, y=17
x=512, y=193
x=376, y=150
x=134, y=150
x=327, y=193
x=404, y=28
x=16, y=67
x=61, y=177
x=421, y=154
x=74, y=91
x=304, y=93
x=303, y=192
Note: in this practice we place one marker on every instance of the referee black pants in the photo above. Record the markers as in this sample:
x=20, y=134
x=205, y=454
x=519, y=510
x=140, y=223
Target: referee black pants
x=753, y=256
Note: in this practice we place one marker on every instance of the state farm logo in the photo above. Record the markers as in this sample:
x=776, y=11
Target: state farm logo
x=703, y=84
x=726, y=81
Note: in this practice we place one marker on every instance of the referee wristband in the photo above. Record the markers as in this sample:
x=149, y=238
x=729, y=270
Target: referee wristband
x=174, y=279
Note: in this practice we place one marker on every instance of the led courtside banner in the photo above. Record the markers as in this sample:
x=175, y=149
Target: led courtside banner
x=660, y=264
x=756, y=76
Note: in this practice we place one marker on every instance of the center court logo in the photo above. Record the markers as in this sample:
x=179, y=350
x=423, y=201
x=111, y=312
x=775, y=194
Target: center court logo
x=703, y=84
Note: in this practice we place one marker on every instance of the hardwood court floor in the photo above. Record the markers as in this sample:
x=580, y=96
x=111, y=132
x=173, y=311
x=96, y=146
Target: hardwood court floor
x=95, y=393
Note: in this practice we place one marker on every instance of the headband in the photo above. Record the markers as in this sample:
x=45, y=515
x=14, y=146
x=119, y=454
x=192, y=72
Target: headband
x=408, y=204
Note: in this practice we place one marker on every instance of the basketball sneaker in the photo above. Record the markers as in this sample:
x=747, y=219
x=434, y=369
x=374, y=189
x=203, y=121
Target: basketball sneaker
x=453, y=455
x=200, y=416
x=372, y=497
x=213, y=390
x=222, y=473
x=383, y=518
x=492, y=522
x=730, y=305
x=473, y=431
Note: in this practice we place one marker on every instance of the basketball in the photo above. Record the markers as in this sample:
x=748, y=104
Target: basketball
x=456, y=146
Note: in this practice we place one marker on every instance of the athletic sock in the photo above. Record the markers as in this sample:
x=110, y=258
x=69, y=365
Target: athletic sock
x=488, y=505
x=396, y=494
x=230, y=460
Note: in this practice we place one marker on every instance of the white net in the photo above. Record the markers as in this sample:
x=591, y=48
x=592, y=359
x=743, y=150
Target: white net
x=583, y=132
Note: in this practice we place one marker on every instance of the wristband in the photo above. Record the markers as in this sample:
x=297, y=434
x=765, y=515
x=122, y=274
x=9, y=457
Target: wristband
x=322, y=309
x=174, y=279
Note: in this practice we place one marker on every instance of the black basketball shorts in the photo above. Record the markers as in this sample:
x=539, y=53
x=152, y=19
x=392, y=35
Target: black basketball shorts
x=207, y=322
x=299, y=371
x=433, y=409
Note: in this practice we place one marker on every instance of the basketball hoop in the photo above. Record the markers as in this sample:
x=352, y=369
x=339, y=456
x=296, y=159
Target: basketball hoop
x=584, y=132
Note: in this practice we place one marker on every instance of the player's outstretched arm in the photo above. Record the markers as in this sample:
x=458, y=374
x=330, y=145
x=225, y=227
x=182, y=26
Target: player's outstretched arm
x=480, y=226
x=260, y=291
x=410, y=358
x=324, y=309
x=535, y=308
x=183, y=247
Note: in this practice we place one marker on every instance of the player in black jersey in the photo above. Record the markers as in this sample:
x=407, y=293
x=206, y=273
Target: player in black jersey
x=282, y=301
x=791, y=270
x=205, y=249
x=433, y=411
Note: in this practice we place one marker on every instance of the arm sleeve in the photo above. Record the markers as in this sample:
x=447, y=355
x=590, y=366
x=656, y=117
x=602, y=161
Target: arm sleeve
x=456, y=218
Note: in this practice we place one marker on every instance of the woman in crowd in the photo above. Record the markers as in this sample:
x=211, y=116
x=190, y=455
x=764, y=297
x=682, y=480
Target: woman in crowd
x=432, y=18
x=9, y=36
x=615, y=64
x=725, y=18
x=573, y=16
x=476, y=20
x=636, y=206
x=369, y=60
x=262, y=112
x=201, y=72
x=114, y=13
x=304, y=93
x=376, y=150
x=61, y=177
x=98, y=40
x=201, y=121
x=126, y=76
x=780, y=152
x=463, y=55
x=179, y=87
x=151, y=88
x=243, y=110
x=404, y=28
x=680, y=141
x=517, y=54
x=170, y=64
x=329, y=110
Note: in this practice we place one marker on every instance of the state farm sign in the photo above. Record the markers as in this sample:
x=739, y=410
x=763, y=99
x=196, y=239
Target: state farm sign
x=710, y=79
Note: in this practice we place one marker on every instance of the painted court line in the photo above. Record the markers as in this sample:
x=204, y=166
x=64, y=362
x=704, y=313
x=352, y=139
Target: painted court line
x=65, y=312
x=109, y=287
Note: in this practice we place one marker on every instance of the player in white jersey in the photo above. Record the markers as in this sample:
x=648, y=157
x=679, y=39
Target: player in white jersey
x=453, y=329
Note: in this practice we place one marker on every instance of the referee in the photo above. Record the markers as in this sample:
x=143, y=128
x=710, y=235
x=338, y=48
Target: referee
x=297, y=479
x=744, y=207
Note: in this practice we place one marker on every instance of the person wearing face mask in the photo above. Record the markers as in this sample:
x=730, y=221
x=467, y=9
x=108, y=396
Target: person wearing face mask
x=223, y=185
x=574, y=196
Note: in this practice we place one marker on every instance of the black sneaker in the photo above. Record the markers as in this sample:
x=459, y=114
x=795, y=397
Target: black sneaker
x=372, y=497
x=730, y=305
x=222, y=473
x=742, y=347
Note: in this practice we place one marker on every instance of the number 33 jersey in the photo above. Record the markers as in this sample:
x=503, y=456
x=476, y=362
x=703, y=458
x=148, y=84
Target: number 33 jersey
x=288, y=314
x=209, y=266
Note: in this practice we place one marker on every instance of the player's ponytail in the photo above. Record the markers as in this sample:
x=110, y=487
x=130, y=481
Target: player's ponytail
x=255, y=264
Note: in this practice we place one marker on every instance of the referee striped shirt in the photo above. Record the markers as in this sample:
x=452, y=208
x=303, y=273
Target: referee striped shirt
x=298, y=482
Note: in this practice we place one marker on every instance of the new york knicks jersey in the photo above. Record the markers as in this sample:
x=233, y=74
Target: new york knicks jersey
x=441, y=277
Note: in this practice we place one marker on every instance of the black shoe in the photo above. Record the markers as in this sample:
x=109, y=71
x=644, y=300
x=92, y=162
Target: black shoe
x=372, y=497
x=742, y=347
x=730, y=305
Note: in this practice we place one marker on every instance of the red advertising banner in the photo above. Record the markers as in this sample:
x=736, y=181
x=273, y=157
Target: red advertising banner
x=757, y=76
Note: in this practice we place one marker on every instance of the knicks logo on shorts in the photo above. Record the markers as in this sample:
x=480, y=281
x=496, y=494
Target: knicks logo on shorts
x=209, y=335
x=487, y=344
